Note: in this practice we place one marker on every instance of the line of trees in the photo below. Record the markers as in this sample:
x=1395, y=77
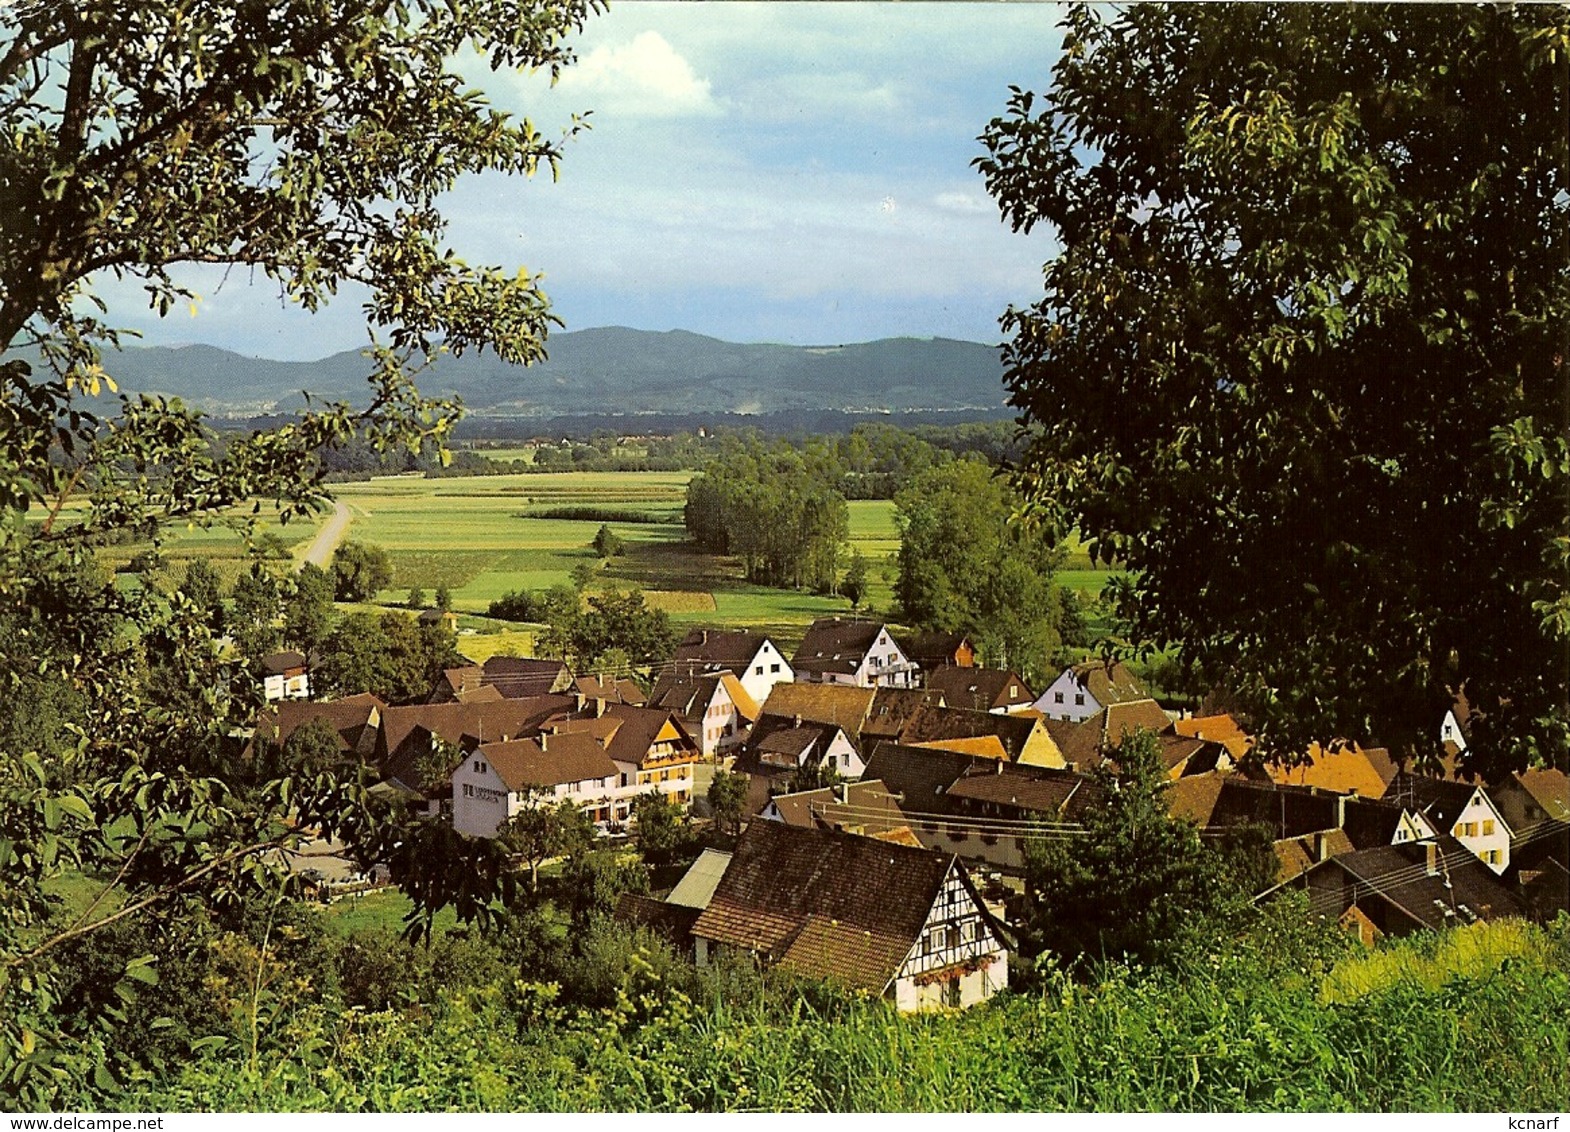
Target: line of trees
x=967, y=562
x=773, y=509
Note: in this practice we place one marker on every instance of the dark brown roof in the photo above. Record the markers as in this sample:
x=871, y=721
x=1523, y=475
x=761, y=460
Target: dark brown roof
x=455, y=683
x=980, y=689
x=920, y=776
x=836, y=644
x=686, y=694
x=1547, y=891
x=1109, y=685
x=933, y=650
x=553, y=760
x=1439, y=801
x=611, y=689
x=929, y=724
x=406, y=731
x=283, y=663
x=1459, y=890
x=1060, y=794
x=521, y=677
x=712, y=649
x=671, y=922
x=1216, y=801
x=795, y=742
x=1080, y=743
x=1550, y=789
x=891, y=709
x=777, y=747
x=1370, y=823
x=858, y=806
x=825, y=904
x=638, y=729
x=1085, y=743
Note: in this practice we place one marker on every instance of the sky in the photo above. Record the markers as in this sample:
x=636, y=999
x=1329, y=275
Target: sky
x=771, y=172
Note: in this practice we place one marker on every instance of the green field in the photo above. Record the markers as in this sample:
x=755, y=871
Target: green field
x=221, y=546
x=484, y=536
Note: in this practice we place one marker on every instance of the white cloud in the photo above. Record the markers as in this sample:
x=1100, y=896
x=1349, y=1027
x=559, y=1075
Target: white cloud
x=644, y=77
x=966, y=204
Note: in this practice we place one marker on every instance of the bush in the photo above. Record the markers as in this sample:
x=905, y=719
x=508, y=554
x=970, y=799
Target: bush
x=360, y=571
x=516, y=605
x=607, y=544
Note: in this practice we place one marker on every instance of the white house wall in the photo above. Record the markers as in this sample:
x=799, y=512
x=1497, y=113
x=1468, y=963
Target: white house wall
x=1075, y=705
x=721, y=727
x=1480, y=828
x=842, y=755
x=1450, y=731
x=480, y=799
x=956, y=931
x=768, y=668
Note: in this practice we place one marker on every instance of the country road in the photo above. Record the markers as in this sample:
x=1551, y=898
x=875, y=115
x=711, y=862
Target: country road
x=327, y=539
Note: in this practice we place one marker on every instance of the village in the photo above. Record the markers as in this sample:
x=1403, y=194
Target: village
x=896, y=872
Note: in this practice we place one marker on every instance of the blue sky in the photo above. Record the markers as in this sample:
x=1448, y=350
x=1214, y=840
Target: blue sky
x=759, y=172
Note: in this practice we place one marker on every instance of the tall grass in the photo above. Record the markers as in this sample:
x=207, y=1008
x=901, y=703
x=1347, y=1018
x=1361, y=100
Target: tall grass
x=1236, y=1033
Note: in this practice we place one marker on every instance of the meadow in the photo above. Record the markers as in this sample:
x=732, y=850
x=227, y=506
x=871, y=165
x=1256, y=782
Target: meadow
x=484, y=536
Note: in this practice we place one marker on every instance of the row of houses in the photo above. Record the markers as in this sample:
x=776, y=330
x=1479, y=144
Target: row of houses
x=944, y=768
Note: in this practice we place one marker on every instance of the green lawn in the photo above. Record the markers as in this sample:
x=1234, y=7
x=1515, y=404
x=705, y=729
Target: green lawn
x=380, y=911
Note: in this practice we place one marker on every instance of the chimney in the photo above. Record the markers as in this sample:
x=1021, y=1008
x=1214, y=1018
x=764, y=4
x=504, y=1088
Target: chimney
x=842, y=793
x=797, y=721
x=999, y=770
x=544, y=740
x=1341, y=811
x=599, y=708
x=1321, y=847
x=1431, y=858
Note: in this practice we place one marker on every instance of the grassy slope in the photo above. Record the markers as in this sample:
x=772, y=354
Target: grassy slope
x=1249, y=1031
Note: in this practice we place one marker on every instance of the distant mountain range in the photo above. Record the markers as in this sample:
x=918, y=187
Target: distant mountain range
x=612, y=370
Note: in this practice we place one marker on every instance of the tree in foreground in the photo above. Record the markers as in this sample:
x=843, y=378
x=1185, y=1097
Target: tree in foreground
x=607, y=543
x=308, y=613
x=1135, y=881
x=310, y=141
x=1301, y=362
x=728, y=798
x=545, y=828
x=662, y=826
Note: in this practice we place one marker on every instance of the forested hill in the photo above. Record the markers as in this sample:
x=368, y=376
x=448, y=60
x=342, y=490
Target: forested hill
x=608, y=370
